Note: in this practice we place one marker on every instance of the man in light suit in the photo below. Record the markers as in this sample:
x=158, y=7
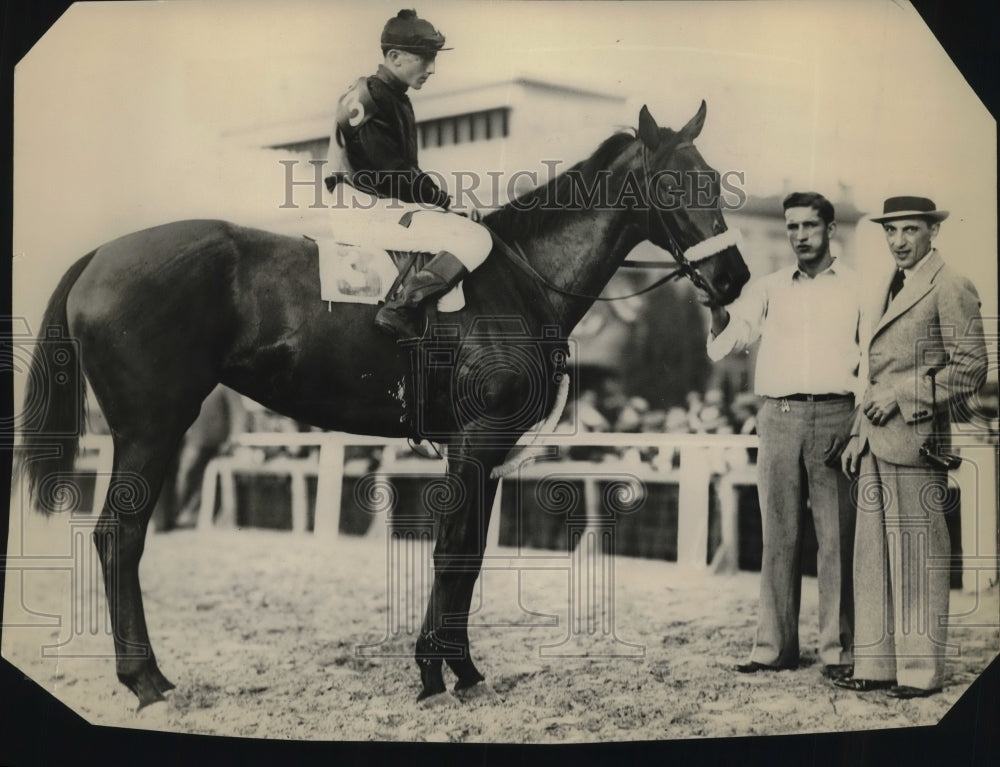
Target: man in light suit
x=923, y=330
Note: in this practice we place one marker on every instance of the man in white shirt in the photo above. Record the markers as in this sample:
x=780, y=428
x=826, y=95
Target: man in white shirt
x=806, y=317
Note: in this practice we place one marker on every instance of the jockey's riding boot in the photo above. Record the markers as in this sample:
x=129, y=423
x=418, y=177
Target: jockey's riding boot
x=401, y=316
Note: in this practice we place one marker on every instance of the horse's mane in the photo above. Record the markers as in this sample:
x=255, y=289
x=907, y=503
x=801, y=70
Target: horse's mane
x=537, y=211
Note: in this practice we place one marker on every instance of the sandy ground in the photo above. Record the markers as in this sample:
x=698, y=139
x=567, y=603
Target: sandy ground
x=275, y=635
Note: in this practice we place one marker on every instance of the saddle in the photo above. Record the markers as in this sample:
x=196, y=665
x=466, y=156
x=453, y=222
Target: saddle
x=355, y=274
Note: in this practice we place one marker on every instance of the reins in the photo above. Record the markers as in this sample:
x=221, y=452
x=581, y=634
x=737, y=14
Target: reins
x=518, y=259
x=684, y=267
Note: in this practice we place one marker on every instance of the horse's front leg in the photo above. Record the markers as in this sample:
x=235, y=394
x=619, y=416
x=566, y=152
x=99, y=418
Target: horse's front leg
x=463, y=515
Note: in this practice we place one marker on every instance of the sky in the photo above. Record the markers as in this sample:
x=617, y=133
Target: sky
x=124, y=112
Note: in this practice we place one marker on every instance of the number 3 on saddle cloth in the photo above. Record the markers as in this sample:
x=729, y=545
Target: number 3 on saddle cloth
x=362, y=275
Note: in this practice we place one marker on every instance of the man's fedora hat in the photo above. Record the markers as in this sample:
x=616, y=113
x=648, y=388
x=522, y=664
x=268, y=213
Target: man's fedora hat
x=910, y=207
x=408, y=32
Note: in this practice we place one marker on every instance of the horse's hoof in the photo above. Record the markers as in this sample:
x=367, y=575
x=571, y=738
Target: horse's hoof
x=475, y=691
x=154, y=715
x=465, y=670
x=431, y=677
x=469, y=680
x=148, y=685
x=436, y=699
x=160, y=682
x=433, y=684
x=148, y=698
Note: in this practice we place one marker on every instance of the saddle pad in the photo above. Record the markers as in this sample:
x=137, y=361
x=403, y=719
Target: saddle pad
x=359, y=275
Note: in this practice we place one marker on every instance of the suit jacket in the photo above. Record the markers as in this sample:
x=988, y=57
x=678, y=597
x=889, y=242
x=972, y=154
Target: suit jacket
x=933, y=323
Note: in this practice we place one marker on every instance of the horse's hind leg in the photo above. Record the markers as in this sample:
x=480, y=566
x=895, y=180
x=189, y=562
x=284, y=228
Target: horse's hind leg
x=120, y=535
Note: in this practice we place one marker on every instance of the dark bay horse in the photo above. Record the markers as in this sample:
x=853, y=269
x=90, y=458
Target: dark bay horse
x=157, y=318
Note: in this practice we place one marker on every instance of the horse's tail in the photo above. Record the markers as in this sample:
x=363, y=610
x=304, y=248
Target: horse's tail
x=53, y=417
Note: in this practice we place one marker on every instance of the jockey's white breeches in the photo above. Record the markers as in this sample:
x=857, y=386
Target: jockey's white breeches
x=358, y=218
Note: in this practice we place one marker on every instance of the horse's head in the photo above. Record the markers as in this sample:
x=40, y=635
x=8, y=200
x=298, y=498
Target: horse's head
x=683, y=212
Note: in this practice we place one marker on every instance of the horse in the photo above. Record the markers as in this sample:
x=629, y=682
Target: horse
x=156, y=319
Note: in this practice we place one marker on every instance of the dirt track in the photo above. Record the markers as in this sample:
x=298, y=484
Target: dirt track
x=260, y=630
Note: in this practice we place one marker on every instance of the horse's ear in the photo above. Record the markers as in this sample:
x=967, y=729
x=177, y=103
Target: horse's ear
x=695, y=124
x=649, y=131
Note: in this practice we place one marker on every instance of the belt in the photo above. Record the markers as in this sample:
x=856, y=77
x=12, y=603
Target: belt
x=816, y=397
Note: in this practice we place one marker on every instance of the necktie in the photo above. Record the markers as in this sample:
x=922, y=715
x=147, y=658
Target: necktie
x=897, y=283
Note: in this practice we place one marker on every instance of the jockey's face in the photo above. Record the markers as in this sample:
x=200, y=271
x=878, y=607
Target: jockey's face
x=411, y=68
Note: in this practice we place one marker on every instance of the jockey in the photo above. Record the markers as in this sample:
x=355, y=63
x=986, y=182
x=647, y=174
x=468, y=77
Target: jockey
x=384, y=200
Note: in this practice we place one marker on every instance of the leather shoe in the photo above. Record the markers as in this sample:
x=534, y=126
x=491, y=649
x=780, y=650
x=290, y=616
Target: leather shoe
x=401, y=322
x=905, y=692
x=838, y=670
x=863, y=685
x=753, y=667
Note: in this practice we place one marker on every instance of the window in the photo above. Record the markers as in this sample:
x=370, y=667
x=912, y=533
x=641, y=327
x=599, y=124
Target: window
x=497, y=123
x=461, y=129
x=480, y=127
x=430, y=133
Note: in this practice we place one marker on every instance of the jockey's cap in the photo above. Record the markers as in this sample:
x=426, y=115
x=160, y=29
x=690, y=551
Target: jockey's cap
x=408, y=32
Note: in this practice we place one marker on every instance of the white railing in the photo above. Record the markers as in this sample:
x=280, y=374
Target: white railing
x=976, y=479
x=693, y=479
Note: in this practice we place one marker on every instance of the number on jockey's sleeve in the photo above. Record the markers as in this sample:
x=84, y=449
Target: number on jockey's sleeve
x=355, y=107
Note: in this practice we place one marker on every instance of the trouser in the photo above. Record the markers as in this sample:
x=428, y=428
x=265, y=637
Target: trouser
x=902, y=553
x=793, y=438
x=358, y=218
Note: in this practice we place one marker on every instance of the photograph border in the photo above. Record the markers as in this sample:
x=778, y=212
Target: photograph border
x=35, y=728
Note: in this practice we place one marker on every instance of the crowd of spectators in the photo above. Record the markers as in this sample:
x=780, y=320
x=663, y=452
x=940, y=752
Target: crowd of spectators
x=609, y=409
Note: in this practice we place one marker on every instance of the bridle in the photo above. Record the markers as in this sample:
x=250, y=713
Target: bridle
x=686, y=259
